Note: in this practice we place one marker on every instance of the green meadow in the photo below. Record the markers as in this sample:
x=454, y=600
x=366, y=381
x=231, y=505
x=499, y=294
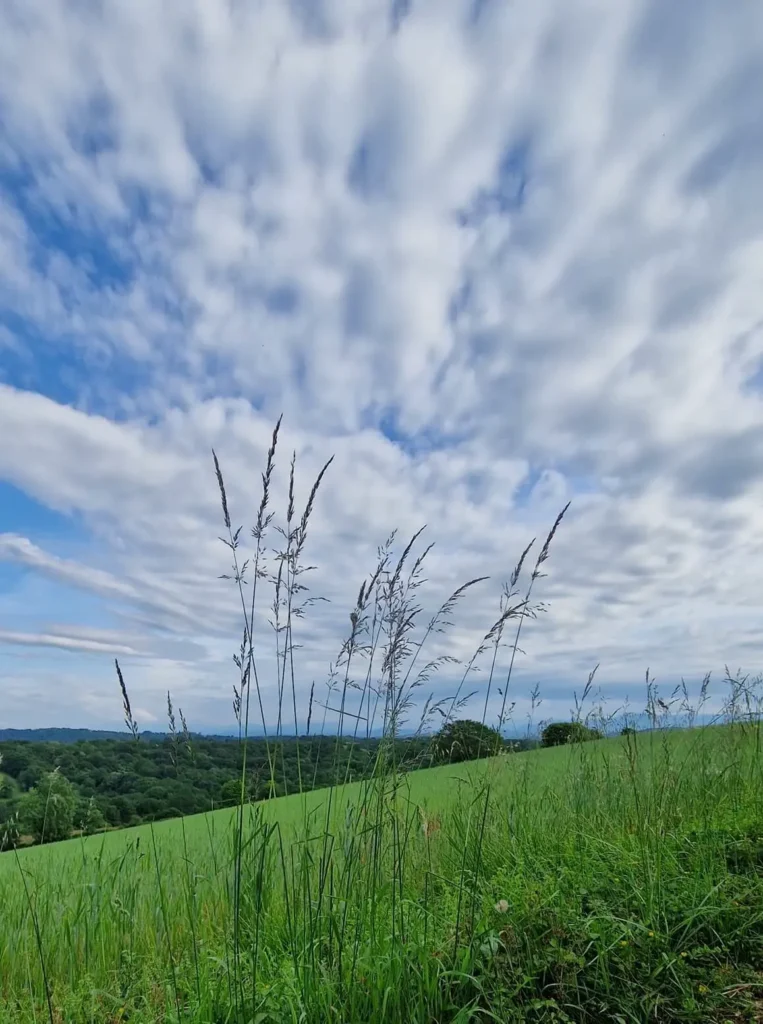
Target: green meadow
x=613, y=880
x=616, y=879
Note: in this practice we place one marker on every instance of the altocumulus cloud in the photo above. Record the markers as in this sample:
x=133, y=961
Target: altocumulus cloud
x=492, y=256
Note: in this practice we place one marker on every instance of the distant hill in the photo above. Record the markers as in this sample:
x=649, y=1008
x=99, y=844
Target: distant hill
x=58, y=735
x=76, y=735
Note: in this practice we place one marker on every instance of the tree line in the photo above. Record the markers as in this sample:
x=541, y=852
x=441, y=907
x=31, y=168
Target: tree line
x=94, y=784
x=52, y=790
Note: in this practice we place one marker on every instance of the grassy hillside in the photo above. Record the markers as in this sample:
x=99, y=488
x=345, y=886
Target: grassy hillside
x=619, y=880
x=433, y=789
x=613, y=880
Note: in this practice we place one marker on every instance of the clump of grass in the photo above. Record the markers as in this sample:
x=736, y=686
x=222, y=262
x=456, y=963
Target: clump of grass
x=615, y=880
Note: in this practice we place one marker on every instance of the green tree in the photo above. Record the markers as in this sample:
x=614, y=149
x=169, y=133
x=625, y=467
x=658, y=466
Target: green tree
x=16, y=758
x=8, y=786
x=47, y=811
x=9, y=802
x=465, y=740
x=556, y=734
x=90, y=818
x=231, y=792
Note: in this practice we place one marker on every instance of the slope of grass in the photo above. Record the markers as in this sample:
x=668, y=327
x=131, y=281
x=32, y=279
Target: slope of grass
x=434, y=789
x=608, y=881
x=613, y=880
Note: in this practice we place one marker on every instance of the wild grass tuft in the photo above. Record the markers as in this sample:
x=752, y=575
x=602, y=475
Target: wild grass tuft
x=618, y=880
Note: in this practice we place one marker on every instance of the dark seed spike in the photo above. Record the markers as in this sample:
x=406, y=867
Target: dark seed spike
x=310, y=707
x=309, y=509
x=404, y=556
x=420, y=560
x=221, y=485
x=544, y=550
x=171, y=714
x=518, y=567
x=290, y=509
x=173, y=732
x=130, y=722
x=266, y=477
x=187, y=735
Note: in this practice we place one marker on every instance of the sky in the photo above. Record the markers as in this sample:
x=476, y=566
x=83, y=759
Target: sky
x=493, y=257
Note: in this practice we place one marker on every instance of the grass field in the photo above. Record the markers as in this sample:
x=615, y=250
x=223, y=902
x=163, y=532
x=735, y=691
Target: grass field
x=617, y=880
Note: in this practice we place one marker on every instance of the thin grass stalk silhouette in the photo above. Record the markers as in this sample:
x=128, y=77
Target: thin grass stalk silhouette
x=536, y=575
x=248, y=669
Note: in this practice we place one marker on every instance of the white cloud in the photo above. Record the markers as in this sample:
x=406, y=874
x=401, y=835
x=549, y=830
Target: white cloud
x=65, y=643
x=21, y=550
x=491, y=264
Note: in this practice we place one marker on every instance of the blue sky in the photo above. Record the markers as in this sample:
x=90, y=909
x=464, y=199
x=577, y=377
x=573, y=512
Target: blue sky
x=493, y=257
